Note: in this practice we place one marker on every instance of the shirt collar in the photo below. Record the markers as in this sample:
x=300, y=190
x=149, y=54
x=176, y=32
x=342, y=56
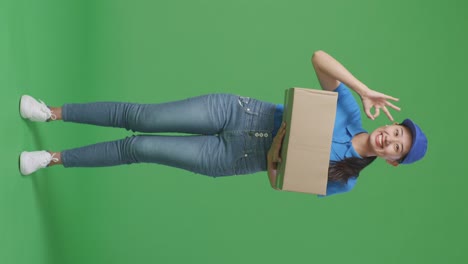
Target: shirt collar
x=354, y=129
x=351, y=152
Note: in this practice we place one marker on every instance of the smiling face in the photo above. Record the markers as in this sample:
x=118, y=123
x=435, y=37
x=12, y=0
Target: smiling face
x=391, y=142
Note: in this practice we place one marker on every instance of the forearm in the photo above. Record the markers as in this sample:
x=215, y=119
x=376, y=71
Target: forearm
x=328, y=65
x=273, y=156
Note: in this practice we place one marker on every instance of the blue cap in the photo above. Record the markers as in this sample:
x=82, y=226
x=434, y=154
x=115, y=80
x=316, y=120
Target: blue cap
x=419, y=147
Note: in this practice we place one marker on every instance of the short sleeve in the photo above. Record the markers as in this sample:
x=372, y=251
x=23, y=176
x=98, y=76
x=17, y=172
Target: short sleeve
x=348, y=109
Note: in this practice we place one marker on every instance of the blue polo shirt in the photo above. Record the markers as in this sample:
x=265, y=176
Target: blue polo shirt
x=347, y=125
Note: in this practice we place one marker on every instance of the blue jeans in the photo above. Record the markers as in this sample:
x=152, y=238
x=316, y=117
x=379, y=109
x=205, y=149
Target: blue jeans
x=232, y=134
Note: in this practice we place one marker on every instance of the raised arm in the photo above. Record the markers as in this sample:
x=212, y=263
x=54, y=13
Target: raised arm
x=330, y=73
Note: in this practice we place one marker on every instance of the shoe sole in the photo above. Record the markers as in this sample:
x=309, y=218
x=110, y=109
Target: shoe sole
x=20, y=106
x=20, y=162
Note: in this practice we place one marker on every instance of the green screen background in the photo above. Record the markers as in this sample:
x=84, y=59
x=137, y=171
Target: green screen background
x=158, y=51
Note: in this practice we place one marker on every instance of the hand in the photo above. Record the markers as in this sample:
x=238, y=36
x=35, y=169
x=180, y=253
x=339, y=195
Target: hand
x=379, y=101
x=274, y=154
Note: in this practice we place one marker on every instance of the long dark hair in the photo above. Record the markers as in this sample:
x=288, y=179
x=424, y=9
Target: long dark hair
x=341, y=171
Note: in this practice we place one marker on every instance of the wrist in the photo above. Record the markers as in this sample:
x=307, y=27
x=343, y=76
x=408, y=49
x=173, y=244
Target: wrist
x=362, y=90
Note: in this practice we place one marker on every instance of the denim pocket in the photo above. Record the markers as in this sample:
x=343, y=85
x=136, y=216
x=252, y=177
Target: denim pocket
x=249, y=162
x=246, y=104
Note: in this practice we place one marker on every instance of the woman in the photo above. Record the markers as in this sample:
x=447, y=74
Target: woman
x=234, y=135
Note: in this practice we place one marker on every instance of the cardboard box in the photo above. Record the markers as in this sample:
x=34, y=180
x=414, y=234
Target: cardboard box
x=310, y=117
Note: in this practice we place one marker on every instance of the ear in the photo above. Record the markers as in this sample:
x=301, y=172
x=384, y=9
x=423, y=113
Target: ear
x=393, y=162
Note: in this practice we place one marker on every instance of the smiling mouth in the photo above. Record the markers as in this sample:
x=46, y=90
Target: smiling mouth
x=379, y=140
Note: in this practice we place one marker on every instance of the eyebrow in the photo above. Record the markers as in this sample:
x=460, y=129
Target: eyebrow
x=402, y=148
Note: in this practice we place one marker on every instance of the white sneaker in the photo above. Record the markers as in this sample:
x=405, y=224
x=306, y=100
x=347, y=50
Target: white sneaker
x=31, y=161
x=33, y=110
